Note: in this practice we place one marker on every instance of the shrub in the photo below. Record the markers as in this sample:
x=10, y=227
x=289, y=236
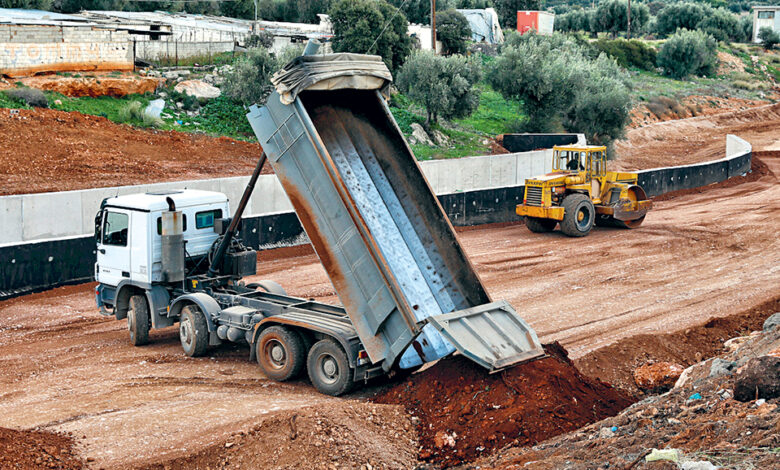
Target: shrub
x=151, y=121
x=561, y=86
x=688, y=53
x=721, y=25
x=769, y=38
x=371, y=27
x=631, y=53
x=264, y=39
x=746, y=25
x=131, y=112
x=663, y=106
x=250, y=80
x=612, y=16
x=683, y=15
x=751, y=85
x=453, y=30
x=31, y=96
x=443, y=85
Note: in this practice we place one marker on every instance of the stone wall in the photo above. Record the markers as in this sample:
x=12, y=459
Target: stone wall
x=27, y=50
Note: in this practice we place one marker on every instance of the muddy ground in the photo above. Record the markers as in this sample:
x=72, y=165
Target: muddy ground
x=64, y=368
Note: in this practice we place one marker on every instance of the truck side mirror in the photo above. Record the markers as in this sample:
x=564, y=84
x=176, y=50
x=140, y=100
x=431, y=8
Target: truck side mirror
x=98, y=226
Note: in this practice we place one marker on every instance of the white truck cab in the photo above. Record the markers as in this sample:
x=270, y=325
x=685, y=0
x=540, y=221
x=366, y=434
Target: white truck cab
x=128, y=231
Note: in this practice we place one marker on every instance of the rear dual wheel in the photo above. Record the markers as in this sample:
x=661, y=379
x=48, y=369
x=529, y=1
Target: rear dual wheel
x=281, y=353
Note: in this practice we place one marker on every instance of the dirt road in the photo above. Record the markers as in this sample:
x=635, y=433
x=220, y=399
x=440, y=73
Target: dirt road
x=65, y=368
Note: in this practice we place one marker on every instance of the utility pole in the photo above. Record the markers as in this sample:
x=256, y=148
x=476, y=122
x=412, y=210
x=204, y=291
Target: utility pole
x=255, y=1
x=433, y=25
x=629, y=20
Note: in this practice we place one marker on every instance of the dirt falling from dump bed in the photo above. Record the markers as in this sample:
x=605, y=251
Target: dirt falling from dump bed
x=37, y=449
x=465, y=413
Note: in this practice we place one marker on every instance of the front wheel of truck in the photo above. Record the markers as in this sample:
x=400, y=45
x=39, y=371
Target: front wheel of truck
x=329, y=369
x=138, y=320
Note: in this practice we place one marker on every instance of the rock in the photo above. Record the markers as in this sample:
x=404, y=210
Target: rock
x=758, y=378
x=658, y=376
x=419, y=136
x=442, y=439
x=440, y=139
x=698, y=465
x=672, y=455
x=735, y=343
x=774, y=353
x=155, y=107
x=683, y=379
x=198, y=89
x=171, y=74
x=722, y=367
x=58, y=102
x=606, y=433
x=772, y=322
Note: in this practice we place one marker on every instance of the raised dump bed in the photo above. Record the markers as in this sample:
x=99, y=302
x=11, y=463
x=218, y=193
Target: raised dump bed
x=376, y=225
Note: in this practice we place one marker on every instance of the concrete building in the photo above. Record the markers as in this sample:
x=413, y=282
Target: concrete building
x=765, y=16
x=35, y=41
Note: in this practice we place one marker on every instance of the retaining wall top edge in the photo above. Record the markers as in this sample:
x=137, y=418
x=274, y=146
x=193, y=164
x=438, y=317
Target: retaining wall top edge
x=46, y=240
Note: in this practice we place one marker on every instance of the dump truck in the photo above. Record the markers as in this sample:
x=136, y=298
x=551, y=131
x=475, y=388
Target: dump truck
x=409, y=294
x=580, y=192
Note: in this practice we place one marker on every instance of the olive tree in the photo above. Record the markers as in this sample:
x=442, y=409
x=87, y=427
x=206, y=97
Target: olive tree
x=688, y=53
x=443, y=85
x=453, y=30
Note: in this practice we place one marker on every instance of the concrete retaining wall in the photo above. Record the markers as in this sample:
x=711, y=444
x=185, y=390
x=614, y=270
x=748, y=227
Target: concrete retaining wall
x=26, y=50
x=174, y=50
x=528, y=142
x=468, y=199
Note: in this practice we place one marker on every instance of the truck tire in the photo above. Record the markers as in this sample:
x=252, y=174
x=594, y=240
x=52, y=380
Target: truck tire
x=329, y=369
x=539, y=225
x=578, y=216
x=138, y=320
x=193, y=331
x=281, y=353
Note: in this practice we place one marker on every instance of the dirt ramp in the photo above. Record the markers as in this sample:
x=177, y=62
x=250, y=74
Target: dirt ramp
x=464, y=412
x=37, y=449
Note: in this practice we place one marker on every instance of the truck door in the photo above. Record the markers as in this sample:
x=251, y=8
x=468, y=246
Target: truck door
x=113, y=254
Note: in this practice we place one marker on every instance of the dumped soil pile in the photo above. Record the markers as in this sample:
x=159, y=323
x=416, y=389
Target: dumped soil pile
x=464, y=412
x=37, y=449
x=758, y=169
x=47, y=150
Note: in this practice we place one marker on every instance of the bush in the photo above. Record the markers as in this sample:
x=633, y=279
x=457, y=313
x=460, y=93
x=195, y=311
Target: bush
x=264, y=39
x=612, y=16
x=721, y=25
x=453, y=30
x=632, y=53
x=688, y=53
x=371, y=27
x=443, y=85
x=751, y=85
x=131, y=112
x=769, y=38
x=31, y=96
x=746, y=25
x=561, y=86
x=250, y=80
x=684, y=15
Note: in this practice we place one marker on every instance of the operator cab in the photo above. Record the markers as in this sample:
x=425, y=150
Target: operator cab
x=128, y=231
x=588, y=158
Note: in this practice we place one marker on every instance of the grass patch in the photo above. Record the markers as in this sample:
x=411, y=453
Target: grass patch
x=220, y=116
x=109, y=107
x=10, y=102
x=494, y=116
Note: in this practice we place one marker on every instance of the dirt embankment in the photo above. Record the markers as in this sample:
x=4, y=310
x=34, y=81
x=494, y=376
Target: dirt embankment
x=29, y=450
x=463, y=412
x=666, y=109
x=46, y=150
x=94, y=85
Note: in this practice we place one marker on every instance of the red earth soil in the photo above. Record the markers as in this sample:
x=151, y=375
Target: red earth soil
x=46, y=150
x=464, y=412
x=37, y=449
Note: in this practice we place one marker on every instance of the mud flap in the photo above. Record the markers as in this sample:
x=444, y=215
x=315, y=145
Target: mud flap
x=492, y=335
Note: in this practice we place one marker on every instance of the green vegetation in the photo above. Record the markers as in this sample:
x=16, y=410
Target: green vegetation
x=629, y=54
x=769, y=38
x=29, y=96
x=371, y=27
x=443, y=85
x=453, y=30
x=112, y=108
x=689, y=53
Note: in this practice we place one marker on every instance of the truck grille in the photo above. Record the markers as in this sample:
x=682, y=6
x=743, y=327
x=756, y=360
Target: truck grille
x=533, y=196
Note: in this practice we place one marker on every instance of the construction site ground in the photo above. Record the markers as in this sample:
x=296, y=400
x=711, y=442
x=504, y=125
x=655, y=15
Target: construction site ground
x=705, y=254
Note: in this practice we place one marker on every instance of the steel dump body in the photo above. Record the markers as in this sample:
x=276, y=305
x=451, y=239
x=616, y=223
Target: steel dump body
x=381, y=234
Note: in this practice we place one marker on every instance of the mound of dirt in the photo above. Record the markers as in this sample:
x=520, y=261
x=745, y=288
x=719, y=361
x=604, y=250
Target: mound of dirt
x=464, y=412
x=343, y=435
x=48, y=150
x=37, y=449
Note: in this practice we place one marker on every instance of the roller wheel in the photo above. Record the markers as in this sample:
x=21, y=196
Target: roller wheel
x=635, y=193
x=540, y=225
x=629, y=223
x=281, y=353
x=578, y=216
x=329, y=369
x=138, y=320
x=193, y=331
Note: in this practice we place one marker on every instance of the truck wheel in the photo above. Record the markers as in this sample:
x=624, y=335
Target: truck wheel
x=329, y=369
x=540, y=225
x=193, y=331
x=138, y=320
x=578, y=216
x=281, y=353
